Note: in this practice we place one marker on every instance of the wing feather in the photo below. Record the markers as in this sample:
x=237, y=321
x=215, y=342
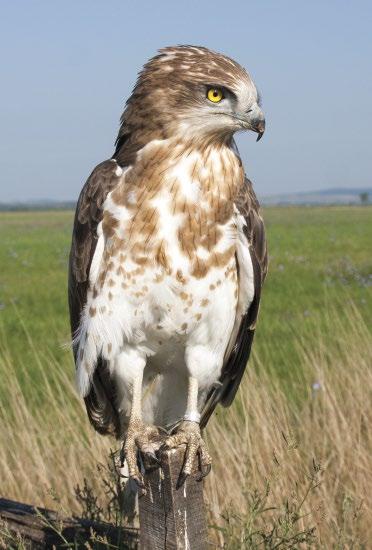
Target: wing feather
x=89, y=211
x=255, y=239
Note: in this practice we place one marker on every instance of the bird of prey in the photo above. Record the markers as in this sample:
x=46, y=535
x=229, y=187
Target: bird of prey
x=168, y=258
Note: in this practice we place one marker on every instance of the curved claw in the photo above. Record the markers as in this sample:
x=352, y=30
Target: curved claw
x=150, y=461
x=138, y=479
x=189, y=433
x=139, y=450
x=204, y=471
x=205, y=461
x=181, y=479
x=153, y=456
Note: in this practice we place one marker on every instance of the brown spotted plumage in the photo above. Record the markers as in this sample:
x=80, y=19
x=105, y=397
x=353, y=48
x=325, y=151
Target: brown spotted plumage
x=168, y=256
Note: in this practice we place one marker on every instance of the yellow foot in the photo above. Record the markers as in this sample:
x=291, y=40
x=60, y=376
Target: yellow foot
x=189, y=433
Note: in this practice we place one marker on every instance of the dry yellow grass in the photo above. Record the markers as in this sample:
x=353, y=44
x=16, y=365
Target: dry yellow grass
x=269, y=437
x=47, y=443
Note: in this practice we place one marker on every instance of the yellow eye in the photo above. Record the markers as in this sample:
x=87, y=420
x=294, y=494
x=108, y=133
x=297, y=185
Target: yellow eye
x=215, y=95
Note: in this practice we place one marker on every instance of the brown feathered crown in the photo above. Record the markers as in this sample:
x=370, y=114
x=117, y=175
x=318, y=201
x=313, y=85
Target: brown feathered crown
x=170, y=95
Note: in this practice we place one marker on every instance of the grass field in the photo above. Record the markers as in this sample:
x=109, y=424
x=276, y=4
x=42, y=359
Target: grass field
x=307, y=394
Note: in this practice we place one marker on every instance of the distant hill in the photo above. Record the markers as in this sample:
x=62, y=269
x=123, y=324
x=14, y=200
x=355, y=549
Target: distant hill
x=43, y=204
x=326, y=196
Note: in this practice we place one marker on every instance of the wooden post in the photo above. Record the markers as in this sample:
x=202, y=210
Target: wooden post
x=172, y=518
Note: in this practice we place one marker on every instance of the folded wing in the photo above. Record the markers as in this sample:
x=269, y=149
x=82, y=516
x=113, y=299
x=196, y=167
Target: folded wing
x=253, y=241
x=89, y=211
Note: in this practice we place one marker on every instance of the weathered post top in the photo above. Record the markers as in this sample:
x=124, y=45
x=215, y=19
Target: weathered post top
x=171, y=517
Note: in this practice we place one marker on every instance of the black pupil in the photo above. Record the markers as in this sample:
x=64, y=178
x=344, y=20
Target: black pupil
x=215, y=93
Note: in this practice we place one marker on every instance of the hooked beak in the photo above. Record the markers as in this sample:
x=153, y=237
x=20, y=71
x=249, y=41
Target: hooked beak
x=254, y=120
x=260, y=129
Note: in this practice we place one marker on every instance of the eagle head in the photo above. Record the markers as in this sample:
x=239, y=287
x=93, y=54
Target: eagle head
x=191, y=92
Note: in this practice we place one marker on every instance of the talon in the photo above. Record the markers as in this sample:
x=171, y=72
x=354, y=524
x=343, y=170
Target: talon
x=122, y=457
x=204, y=471
x=181, y=479
x=142, y=439
x=189, y=433
x=162, y=430
x=152, y=455
x=150, y=461
x=139, y=481
x=205, y=461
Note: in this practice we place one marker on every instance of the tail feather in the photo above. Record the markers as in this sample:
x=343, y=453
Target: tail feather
x=100, y=402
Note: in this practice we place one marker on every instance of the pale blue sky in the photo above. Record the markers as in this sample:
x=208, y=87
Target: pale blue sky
x=68, y=66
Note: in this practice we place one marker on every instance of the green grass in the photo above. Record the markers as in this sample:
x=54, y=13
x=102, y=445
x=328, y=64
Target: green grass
x=33, y=282
x=318, y=257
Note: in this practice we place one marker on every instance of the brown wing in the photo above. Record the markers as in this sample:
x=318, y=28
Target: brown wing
x=234, y=368
x=100, y=401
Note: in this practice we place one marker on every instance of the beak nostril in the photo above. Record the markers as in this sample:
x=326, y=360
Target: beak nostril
x=249, y=110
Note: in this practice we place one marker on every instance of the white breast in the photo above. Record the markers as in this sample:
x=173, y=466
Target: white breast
x=181, y=322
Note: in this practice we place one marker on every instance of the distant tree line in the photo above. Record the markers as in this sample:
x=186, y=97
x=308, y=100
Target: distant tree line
x=364, y=197
x=22, y=207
